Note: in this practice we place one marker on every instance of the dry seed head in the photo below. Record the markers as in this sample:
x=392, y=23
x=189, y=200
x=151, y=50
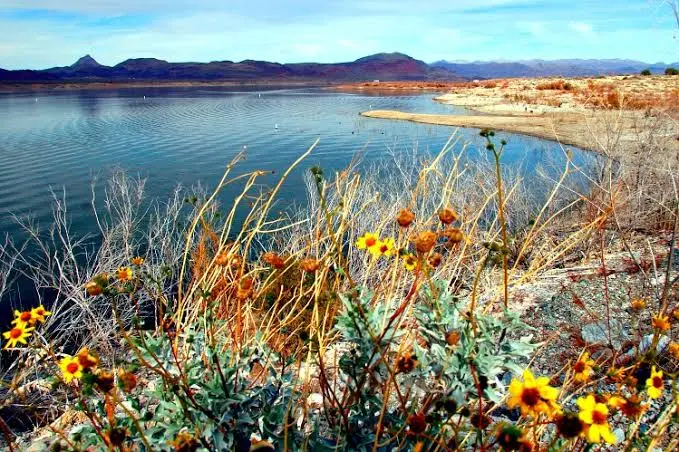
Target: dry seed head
x=309, y=265
x=244, y=289
x=452, y=338
x=127, y=380
x=93, y=289
x=104, y=380
x=274, y=260
x=454, y=235
x=405, y=218
x=406, y=363
x=222, y=259
x=417, y=423
x=435, y=260
x=424, y=241
x=448, y=216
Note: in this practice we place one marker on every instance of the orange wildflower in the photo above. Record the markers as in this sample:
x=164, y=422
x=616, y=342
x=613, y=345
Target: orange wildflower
x=638, y=304
x=660, y=322
x=86, y=359
x=124, y=273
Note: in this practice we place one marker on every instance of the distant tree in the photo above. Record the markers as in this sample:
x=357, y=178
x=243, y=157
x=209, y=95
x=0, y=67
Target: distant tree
x=646, y=72
x=671, y=71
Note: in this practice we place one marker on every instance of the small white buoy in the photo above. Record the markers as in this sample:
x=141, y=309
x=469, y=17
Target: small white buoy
x=275, y=126
x=36, y=99
x=144, y=97
x=260, y=95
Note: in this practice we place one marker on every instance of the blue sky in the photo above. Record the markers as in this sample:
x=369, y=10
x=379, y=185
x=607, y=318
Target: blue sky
x=46, y=33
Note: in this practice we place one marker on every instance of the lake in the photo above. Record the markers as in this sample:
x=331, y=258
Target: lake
x=63, y=140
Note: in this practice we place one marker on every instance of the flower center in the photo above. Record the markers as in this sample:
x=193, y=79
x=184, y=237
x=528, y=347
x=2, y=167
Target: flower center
x=384, y=248
x=370, y=241
x=598, y=417
x=657, y=382
x=72, y=368
x=530, y=396
x=40, y=311
x=25, y=316
x=579, y=367
x=15, y=333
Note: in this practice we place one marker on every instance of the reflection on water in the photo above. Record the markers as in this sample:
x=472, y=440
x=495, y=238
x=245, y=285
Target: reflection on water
x=172, y=136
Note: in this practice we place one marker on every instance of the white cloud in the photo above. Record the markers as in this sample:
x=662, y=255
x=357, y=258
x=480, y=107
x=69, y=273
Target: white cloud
x=582, y=28
x=535, y=28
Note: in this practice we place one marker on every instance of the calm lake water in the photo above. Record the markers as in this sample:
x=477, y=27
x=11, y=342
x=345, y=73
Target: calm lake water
x=171, y=136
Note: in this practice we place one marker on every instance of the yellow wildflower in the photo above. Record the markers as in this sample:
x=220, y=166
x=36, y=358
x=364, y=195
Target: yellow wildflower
x=124, y=273
x=138, y=261
x=616, y=402
x=17, y=335
x=368, y=241
x=70, y=368
x=583, y=368
x=39, y=314
x=23, y=318
x=383, y=248
x=410, y=262
x=533, y=395
x=654, y=385
x=595, y=415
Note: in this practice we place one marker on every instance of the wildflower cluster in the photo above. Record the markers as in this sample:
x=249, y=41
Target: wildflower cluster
x=421, y=249
x=23, y=325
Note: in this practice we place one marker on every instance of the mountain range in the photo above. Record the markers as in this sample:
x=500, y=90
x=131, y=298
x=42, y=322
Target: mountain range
x=382, y=66
x=546, y=68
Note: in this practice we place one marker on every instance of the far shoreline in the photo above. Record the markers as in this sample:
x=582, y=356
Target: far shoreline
x=27, y=87
x=574, y=111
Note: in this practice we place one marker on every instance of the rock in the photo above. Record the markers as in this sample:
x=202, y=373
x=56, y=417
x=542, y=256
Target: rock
x=597, y=333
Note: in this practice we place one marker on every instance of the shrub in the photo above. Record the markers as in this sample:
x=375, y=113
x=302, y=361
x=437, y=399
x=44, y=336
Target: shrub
x=645, y=72
x=558, y=85
x=671, y=71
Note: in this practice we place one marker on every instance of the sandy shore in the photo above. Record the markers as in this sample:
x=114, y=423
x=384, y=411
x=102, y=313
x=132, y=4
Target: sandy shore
x=564, y=129
x=579, y=112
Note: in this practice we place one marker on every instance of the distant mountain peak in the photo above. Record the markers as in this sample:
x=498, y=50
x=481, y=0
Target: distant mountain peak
x=384, y=56
x=85, y=62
